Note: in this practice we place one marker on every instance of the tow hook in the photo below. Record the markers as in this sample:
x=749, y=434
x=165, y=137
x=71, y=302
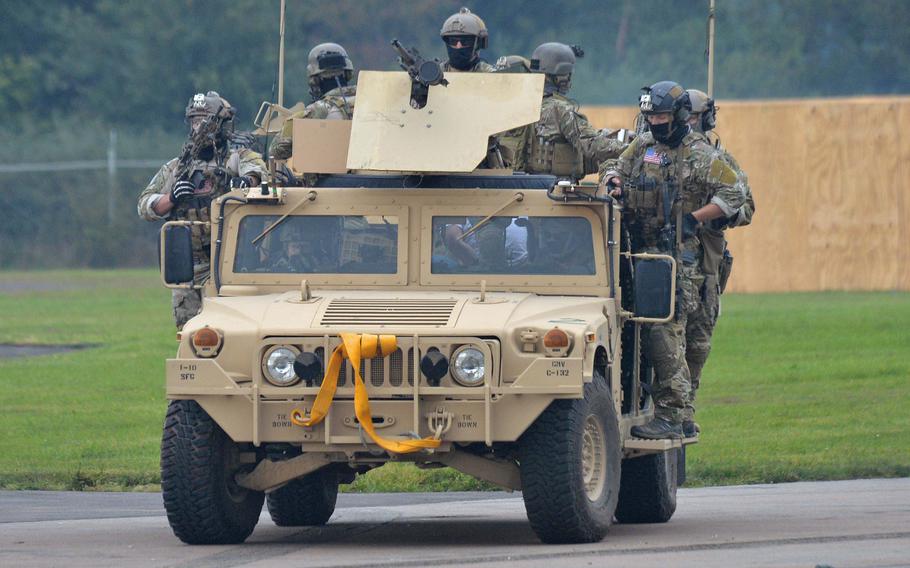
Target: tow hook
x=440, y=421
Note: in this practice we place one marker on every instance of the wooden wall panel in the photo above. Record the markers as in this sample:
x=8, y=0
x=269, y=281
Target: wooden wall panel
x=830, y=178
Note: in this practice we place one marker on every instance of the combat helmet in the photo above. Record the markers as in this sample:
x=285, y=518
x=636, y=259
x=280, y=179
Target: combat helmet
x=209, y=104
x=557, y=61
x=328, y=66
x=466, y=23
x=470, y=30
x=703, y=107
x=667, y=97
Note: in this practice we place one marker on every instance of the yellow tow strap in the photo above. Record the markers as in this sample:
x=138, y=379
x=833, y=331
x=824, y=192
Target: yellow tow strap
x=353, y=347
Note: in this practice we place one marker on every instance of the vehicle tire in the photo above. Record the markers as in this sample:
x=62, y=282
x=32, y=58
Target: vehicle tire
x=204, y=505
x=570, y=466
x=647, y=493
x=305, y=501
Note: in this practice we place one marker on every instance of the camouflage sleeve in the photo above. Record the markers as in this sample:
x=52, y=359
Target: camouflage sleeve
x=251, y=163
x=593, y=144
x=743, y=216
x=721, y=179
x=621, y=166
x=281, y=145
x=159, y=186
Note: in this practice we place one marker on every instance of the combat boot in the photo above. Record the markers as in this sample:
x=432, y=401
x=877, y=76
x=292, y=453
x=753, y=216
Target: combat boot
x=690, y=429
x=657, y=429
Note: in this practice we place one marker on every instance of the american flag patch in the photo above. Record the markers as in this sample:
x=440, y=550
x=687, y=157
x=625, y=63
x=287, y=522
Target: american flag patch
x=653, y=157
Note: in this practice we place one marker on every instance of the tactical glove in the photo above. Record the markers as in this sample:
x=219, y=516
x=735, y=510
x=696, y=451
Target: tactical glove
x=182, y=191
x=241, y=182
x=690, y=225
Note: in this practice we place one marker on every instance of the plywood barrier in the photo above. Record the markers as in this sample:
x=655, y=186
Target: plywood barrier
x=830, y=179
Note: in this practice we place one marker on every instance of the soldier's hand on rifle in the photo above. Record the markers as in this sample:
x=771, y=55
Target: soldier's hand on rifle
x=182, y=191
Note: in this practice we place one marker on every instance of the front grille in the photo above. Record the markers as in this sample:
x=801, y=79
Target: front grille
x=388, y=312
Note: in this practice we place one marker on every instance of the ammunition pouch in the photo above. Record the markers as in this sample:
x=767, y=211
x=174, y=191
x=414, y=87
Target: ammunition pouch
x=724, y=271
x=640, y=199
x=713, y=245
x=560, y=159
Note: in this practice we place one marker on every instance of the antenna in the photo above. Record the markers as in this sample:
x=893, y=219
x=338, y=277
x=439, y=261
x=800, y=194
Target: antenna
x=281, y=56
x=711, y=18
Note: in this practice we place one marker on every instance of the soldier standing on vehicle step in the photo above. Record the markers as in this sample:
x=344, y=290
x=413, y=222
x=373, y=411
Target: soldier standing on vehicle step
x=184, y=187
x=717, y=259
x=562, y=143
x=465, y=34
x=330, y=72
x=671, y=182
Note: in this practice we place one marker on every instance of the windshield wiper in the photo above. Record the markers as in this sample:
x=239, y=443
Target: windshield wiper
x=309, y=197
x=518, y=197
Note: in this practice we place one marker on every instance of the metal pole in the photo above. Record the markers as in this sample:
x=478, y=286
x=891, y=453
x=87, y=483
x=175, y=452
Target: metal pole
x=281, y=57
x=111, y=175
x=711, y=49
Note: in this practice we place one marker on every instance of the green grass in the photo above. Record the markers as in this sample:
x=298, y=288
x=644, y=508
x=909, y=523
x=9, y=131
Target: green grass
x=799, y=386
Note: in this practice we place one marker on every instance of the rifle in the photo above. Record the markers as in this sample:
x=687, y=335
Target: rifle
x=423, y=71
x=207, y=134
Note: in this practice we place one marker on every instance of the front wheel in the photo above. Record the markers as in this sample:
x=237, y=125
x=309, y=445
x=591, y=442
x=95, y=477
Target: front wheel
x=305, y=501
x=570, y=467
x=647, y=493
x=198, y=462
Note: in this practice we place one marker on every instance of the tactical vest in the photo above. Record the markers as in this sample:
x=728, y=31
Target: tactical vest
x=340, y=107
x=199, y=209
x=549, y=153
x=658, y=175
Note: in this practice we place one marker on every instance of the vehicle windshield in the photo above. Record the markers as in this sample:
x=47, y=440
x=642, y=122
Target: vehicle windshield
x=319, y=244
x=513, y=245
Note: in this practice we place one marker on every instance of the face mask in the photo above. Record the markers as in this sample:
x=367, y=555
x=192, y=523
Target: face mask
x=326, y=84
x=661, y=132
x=462, y=59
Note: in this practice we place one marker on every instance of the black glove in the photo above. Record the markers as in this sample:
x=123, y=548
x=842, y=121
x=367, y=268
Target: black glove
x=690, y=225
x=241, y=182
x=182, y=191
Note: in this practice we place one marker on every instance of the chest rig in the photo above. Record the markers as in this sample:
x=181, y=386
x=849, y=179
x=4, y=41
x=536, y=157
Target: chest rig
x=198, y=208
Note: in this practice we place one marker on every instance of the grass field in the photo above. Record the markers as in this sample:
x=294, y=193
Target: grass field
x=799, y=386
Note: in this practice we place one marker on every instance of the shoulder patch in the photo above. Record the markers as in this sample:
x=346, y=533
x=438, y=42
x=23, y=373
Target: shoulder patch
x=721, y=173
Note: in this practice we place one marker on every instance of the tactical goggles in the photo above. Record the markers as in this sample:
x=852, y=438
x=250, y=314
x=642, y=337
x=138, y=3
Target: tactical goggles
x=464, y=40
x=330, y=60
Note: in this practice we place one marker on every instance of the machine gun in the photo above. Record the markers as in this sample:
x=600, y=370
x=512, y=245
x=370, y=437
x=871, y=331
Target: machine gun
x=206, y=135
x=424, y=73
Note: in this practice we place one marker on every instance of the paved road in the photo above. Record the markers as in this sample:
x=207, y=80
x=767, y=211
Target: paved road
x=839, y=524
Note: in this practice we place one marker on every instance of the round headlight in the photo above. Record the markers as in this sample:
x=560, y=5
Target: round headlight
x=279, y=366
x=468, y=366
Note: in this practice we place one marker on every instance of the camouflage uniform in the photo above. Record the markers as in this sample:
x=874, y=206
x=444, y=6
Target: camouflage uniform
x=563, y=142
x=700, y=325
x=242, y=162
x=337, y=104
x=702, y=178
x=480, y=67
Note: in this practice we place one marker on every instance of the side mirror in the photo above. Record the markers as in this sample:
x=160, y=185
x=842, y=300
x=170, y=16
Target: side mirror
x=176, y=254
x=655, y=288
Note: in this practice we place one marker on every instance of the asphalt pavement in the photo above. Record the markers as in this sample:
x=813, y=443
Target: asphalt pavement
x=841, y=524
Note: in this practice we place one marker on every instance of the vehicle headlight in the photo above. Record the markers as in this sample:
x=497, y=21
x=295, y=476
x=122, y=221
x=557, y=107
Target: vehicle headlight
x=279, y=365
x=468, y=366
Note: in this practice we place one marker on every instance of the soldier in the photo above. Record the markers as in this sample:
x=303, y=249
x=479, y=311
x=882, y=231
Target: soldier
x=329, y=71
x=562, y=143
x=716, y=262
x=671, y=182
x=465, y=35
x=184, y=187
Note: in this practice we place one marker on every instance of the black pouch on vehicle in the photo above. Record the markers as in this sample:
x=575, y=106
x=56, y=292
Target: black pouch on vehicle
x=723, y=272
x=713, y=247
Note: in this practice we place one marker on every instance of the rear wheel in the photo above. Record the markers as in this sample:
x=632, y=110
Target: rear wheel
x=305, y=501
x=198, y=462
x=570, y=467
x=647, y=493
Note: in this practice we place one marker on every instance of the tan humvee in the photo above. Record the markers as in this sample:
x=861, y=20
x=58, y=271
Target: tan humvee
x=419, y=310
